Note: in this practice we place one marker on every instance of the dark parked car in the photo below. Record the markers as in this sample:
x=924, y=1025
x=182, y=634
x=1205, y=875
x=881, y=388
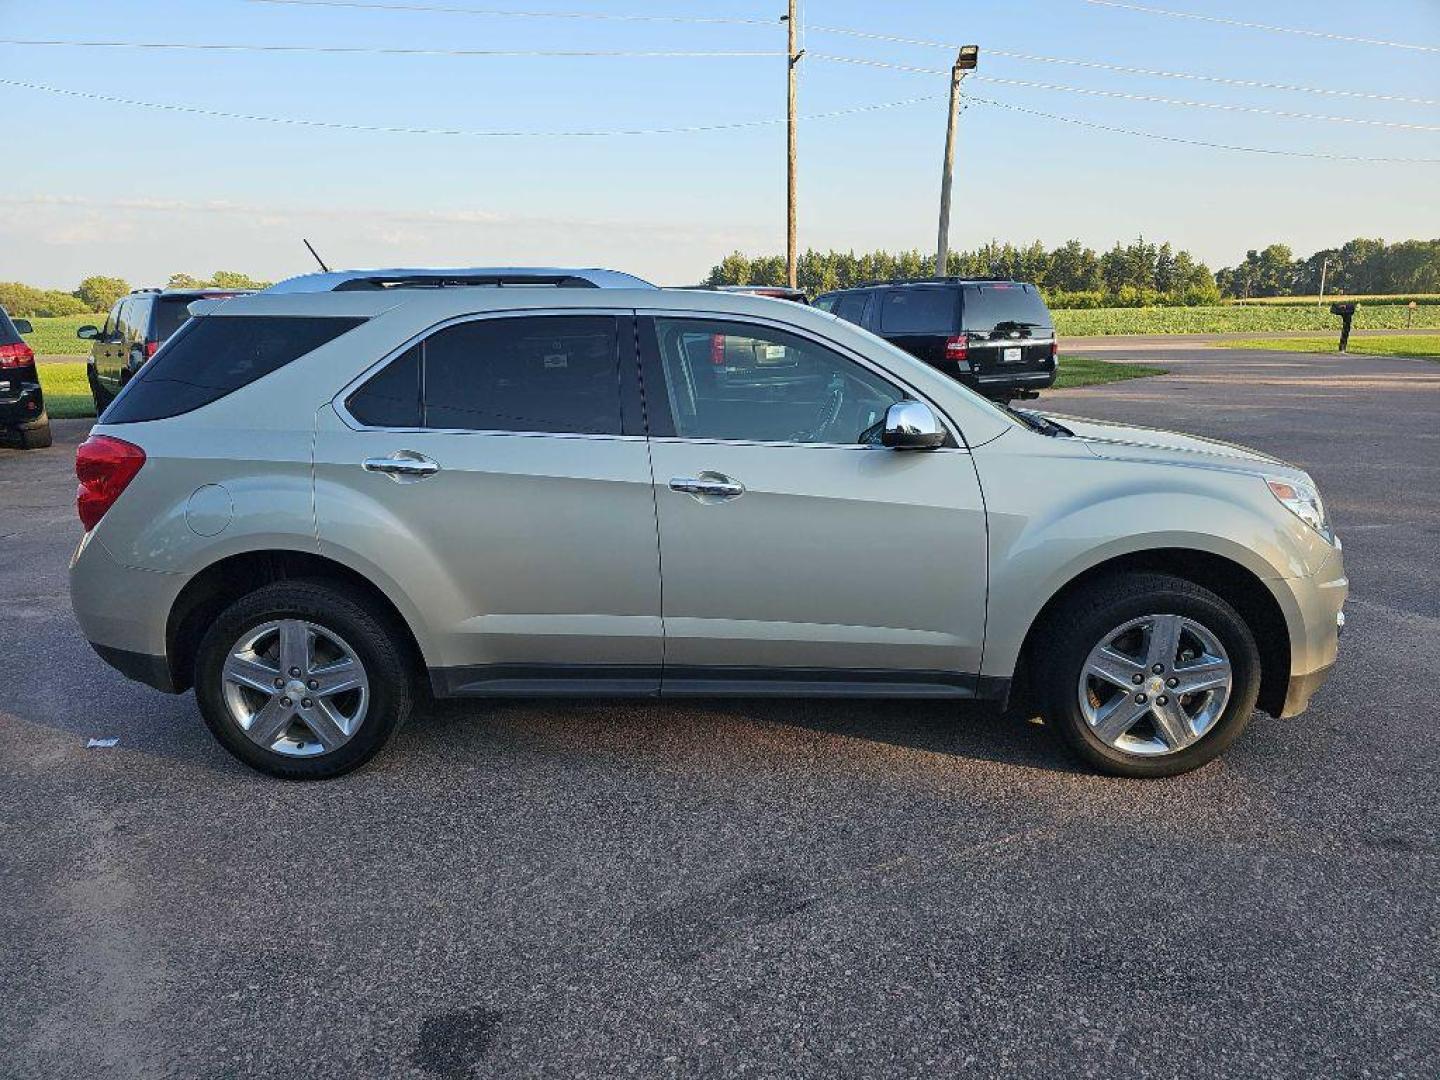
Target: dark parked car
x=996, y=337
x=137, y=325
x=22, y=404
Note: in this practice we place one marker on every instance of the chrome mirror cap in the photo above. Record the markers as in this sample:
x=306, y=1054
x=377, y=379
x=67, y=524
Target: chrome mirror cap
x=911, y=425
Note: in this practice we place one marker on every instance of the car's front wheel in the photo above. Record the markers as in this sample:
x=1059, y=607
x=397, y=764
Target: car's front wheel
x=1147, y=675
x=302, y=681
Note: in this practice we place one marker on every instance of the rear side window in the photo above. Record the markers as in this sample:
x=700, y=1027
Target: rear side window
x=852, y=306
x=136, y=318
x=540, y=373
x=1004, y=306
x=919, y=311
x=826, y=303
x=8, y=334
x=215, y=356
x=170, y=315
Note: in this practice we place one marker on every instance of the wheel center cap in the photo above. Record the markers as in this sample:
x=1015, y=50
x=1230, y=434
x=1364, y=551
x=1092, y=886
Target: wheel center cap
x=295, y=690
x=1156, y=685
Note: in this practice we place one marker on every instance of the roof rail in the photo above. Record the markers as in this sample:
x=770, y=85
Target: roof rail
x=951, y=279
x=151, y=290
x=472, y=277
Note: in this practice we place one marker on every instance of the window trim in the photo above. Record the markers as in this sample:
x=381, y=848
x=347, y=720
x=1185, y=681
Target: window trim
x=650, y=371
x=627, y=364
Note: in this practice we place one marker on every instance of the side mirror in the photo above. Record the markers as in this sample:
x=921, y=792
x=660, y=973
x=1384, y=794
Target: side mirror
x=88, y=333
x=910, y=425
x=23, y=326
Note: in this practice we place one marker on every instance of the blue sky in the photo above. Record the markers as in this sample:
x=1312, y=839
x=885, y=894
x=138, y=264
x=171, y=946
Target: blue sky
x=98, y=187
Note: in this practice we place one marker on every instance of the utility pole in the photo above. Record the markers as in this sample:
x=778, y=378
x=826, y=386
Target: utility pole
x=792, y=58
x=1324, y=265
x=965, y=60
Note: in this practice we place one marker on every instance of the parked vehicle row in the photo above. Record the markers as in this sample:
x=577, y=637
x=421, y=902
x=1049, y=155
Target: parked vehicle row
x=320, y=498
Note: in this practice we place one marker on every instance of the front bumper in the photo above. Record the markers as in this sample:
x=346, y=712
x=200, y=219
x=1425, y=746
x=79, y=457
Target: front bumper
x=122, y=612
x=1315, y=633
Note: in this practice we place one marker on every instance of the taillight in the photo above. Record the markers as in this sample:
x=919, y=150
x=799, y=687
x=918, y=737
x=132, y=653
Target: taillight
x=1054, y=348
x=717, y=350
x=957, y=348
x=150, y=347
x=104, y=466
x=17, y=355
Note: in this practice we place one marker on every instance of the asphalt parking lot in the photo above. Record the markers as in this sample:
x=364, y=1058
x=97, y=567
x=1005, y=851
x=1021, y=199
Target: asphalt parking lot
x=757, y=888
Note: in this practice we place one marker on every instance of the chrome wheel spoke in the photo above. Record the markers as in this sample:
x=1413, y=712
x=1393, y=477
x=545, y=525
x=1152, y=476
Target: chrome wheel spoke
x=1212, y=673
x=1119, y=716
x=252, y=672
x=337, y=678
x=294, y=647
x=1173, y=724
x=325, y=724
x=270, y=722
x=1164, y=640
x=1113, y=667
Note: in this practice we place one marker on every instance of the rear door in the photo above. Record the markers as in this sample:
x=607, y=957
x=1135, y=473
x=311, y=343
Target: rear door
x=109, y=349
x=495, y=472
x=798, y=554
x=1010, y=331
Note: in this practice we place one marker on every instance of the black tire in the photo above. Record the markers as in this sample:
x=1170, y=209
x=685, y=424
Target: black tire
x=378, y=644
x=98, y=393
x=1083, y=619
x=37, y=436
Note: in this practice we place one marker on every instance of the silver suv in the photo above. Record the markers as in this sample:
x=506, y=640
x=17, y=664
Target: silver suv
x=319, y=501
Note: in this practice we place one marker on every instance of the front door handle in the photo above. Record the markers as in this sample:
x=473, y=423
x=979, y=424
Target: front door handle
x=708, y=486
x=402, y=466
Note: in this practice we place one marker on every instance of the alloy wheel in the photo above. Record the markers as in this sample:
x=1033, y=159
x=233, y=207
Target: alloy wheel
x=1155, y=685
x=295, y=687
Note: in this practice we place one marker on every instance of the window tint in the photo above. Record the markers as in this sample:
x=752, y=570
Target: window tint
x=918, y=311
x=826, y=303
x=852, y=307
x=555, y=373
x=122, y=314
x=137, y=317
x=8, y=334
x=214, y=356
x=729, y=380
x=1004, y=306
x=170, y=315
x=391, y=397
x=111, y=320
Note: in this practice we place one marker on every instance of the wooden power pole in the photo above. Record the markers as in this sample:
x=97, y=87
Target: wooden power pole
x=965, y=61
x=792, y=58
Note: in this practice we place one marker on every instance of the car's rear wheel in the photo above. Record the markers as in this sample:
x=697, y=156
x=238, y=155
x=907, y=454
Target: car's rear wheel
x=302, y=681
x=37, y=436
x=1146, y=675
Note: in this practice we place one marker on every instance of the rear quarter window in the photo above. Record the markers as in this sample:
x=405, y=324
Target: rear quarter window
x=213, y=356
x=919, y=311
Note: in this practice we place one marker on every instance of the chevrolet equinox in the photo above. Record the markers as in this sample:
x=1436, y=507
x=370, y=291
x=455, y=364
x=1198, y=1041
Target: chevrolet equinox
x=320, y=500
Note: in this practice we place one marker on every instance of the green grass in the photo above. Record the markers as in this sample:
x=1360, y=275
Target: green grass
x=67, y=393
x=1076, y=371
x=1423, y=346
x=56, y=337
x=1257, y=318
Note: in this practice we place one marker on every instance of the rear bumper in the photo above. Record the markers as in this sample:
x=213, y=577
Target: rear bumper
x=25, y=407
x=123, y=612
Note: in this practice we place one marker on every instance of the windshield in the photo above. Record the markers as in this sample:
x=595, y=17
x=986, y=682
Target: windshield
x=1003, y=305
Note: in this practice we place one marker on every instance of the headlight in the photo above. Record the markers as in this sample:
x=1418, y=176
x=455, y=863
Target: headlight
x=1302, y=500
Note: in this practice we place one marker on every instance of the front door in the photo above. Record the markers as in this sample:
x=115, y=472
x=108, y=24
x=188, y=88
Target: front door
x=490, y=473
x=797, y=554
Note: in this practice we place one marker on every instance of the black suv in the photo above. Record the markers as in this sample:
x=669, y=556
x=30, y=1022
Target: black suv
x=22, y=406
x=137, y=325
x=996, y=337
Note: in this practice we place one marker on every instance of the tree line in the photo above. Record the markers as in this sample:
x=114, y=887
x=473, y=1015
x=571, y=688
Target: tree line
x=98, y=293
x=1138, y=274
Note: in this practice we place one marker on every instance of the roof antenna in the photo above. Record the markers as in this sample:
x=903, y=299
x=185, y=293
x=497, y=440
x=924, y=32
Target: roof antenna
x=318, y=259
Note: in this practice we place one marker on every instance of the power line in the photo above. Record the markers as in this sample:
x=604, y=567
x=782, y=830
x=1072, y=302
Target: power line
x=1123, y=95
x=337, y=125
x=1253, y=84
x=376, y=50
x=505, y=13
x=1263, y=26
x=1198, y=142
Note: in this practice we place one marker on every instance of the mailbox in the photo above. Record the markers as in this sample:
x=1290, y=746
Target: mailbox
x=1345, y=309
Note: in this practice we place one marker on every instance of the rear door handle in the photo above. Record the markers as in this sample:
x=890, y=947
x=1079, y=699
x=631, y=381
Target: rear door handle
x=708, y=486
x=402, y=466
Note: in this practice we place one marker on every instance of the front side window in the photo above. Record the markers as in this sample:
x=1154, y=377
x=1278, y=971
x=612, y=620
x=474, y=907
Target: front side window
x=728, y=380
x=539, y=373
